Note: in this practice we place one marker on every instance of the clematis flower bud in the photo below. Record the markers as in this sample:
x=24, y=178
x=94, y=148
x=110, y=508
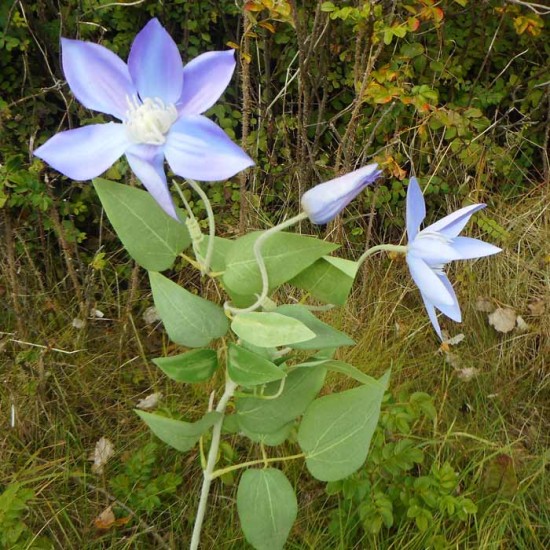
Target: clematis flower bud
x=325, y=201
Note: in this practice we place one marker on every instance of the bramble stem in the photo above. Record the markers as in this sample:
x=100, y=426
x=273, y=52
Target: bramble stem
x=211, y=462
x=221, y=472
x=261, y=263
x=379, y=248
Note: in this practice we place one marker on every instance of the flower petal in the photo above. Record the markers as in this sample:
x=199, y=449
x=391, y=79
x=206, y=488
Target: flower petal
x=147, y=163
x=469, y=248
x=454, y=223
x=428, y=282
x=199, y=149
x=325, y=201
x=452, y=311
x=205, y=78
x=155, y=64
x=98, y=78
x=416, y=208
x=433, y=249
x=432, y=314
x=86, y=152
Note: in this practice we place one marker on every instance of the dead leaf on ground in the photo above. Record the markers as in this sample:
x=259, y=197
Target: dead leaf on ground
x=106, y=520
x=78, y=323
x=503, y=319
x=454, y=360
x=149, y=402
x=151, y=316
x=522, y=326
x=103, y=452
x=537, y=307
x=484, y=304
x=500, y=477
x=467, y=373
x=97, y=313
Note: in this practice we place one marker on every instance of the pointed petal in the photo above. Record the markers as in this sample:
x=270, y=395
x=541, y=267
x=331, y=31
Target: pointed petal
x=98, y=78
x=454, y=223
x=85, y=153
x=199, y=149
x=155, y=64
x=205, y=78
x=325, y=201
x=416, y=208
x=452, y=311
x=432, y=314
x=428, y=282
x=469, y=248
x=147, y=163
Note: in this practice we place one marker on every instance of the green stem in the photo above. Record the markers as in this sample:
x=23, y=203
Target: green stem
x=219, y=473
x=211, y=462
x=380, y=247
x=194, y=231
x=261, y=263
x=211, y=225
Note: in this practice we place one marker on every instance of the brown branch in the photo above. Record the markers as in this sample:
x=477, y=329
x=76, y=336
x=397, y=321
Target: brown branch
x=244, y=213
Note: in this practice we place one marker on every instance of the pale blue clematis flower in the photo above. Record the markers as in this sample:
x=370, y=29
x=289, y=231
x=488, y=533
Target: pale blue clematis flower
x=159, y=103
x=430, y=249
x=325, y=201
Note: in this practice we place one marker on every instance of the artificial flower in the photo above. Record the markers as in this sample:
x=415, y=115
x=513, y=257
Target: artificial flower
x=430, y=249
x=159, y=103
x=325, y=201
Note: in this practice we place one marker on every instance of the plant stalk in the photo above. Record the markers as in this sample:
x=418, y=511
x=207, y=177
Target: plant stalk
x=211, y=225
x=261, y=263
x=221, y=472
x=230, y=387
x=401, y=249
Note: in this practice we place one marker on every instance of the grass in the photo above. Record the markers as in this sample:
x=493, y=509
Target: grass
x=73, y=389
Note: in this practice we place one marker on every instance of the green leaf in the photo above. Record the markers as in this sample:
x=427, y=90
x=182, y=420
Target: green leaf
x=150, y=236
x=265, y=416
x=336, y=430
x=341, y=367
x=247, y=368
x=192, y=366
x=189, y=320
x=270, y=439
x=269, y=330
x=329, y=279
x=221, y=248
x=325, y=335
x=285, y=255
x=267, y=508
x=178, y=434
x=412, y=50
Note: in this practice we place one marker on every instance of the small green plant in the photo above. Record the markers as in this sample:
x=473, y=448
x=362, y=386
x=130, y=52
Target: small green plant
x=14, y=533
x=139, y=486
x=397, y=485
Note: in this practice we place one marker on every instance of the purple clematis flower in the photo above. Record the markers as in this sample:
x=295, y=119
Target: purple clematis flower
x=430, y=249
x=159, y=104
x=325, y=201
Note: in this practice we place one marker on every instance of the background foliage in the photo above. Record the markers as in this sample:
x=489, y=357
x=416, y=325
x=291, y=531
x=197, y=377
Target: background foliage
x=455, y=91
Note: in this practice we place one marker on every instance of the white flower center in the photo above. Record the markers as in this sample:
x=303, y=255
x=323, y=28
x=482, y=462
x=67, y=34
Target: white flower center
x=428, y=245
x=149, y=121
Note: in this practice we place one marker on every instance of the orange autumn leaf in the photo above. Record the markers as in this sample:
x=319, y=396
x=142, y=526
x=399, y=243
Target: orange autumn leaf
x=107, y=520
x=267, y=25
